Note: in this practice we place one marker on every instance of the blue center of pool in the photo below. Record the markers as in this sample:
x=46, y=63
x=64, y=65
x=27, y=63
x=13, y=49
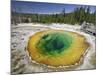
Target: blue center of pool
x=54, y=43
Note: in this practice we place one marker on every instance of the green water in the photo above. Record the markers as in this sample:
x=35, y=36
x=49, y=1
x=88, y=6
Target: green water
x=54, y=43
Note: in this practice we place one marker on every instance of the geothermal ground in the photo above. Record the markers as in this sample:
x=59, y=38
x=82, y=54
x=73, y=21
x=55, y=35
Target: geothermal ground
x=20, y=60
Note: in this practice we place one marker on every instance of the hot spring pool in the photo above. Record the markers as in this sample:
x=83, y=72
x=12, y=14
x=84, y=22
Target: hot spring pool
x=57, y=47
